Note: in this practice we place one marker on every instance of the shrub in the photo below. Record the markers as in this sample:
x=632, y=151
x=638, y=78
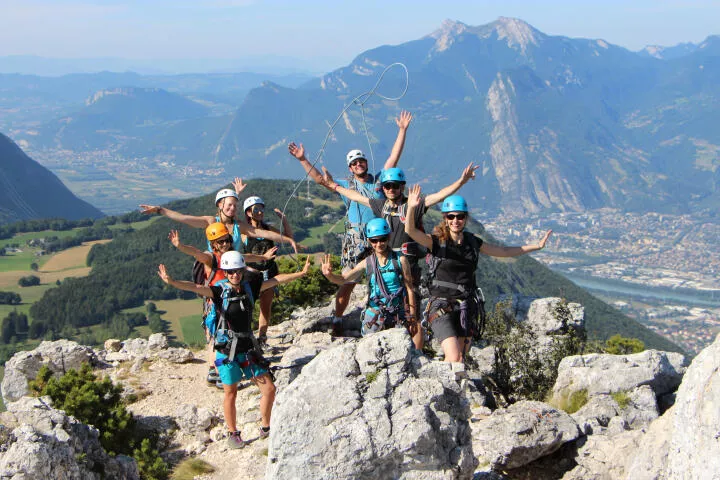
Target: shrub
x=570, y=403
x=619, y=345
x=621, y=398
x=191, y=468
x=99, y=403
x=29, y=281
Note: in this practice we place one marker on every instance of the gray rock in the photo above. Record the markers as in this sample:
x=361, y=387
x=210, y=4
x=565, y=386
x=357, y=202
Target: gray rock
x=522, y=433
x=135, y=347
x=541, y=313
x=49, y=444
x=117, y=357
x=695, y=446
x=604, y=457
x=597, y=411
x=193, y=420
x=113, y=345
x=157, y=341
x=605, y=373
x=368, y=409
x=650, y=459
x=176, y=355
x=60, y=356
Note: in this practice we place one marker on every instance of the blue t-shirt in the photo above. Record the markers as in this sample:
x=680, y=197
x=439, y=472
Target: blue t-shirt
x=360, y=214
x=391, y=278
x=237, y=241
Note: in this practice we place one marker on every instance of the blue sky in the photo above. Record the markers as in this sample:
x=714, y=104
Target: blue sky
x=328, y=33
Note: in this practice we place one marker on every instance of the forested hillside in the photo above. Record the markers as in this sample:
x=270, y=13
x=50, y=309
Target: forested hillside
x=124, y=272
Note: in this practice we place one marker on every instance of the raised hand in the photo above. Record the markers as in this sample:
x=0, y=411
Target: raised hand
x=414, y=196
x=403, y=120
x=326, y=265
x=150, y=209
x=162, y=272
x=469, y=172
x=306, y=268
x=239, y=185
x=327, y=178
x=174, y=238
x=297, y=151
x=544, y=240
x=270, y=254
x=279, y=213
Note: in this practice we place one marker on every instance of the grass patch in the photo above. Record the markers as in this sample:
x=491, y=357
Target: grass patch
x=192, y=333
x=370, y=377
x=570, y=403
x=190, y=468
x=315, y=234
x=622, y=399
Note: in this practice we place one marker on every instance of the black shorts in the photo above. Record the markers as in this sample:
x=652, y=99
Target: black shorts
x=449, y=324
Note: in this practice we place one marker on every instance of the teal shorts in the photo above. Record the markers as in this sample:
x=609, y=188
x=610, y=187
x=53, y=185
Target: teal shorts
x=231, y=373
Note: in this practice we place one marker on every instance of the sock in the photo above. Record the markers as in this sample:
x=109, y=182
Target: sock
x=337, y=319
x=265, y=429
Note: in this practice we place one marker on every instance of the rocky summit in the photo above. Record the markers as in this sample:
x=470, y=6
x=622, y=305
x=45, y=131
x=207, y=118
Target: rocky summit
x=373, y=407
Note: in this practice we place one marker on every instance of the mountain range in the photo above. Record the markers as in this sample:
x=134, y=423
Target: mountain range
x=556, y=123
x=31, y=191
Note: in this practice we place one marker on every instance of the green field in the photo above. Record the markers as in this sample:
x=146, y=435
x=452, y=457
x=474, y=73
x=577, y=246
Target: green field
x=22, y=238
x=192, y=332
x=176, y=313
x=315, y=234
x=29, y=296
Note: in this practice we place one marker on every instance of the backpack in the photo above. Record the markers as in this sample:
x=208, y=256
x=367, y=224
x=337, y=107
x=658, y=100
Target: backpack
x=384, y=298
x=199, y=277
x=224, y=337
x=476, y=293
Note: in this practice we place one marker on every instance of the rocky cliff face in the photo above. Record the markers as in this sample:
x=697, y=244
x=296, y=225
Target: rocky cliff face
x=375, y=408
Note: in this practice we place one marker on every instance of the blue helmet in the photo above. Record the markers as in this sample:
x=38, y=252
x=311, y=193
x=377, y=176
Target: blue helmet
x=454, y=203
x=392, y=175
x=377, y=227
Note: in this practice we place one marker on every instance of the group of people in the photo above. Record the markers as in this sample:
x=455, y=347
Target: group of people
x=384, y=238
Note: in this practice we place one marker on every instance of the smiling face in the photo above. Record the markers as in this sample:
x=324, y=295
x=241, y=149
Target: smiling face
x=228, y=207
x=379, y=244
x=393, y=190
x=222, y=245
x=358, y=167
x=235, y=276
x=256, y=212
x=456, y=221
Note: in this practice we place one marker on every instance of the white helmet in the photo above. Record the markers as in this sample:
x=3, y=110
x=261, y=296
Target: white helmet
x=355, y=155
x=250, y=201
x=224, y=193
x=231, y=260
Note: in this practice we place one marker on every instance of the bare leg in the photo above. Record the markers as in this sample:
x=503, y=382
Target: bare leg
x=267, y=397
x=417, y=335
x=266, y=299
x=342, y=299
x=229, y=407
x=452, y=349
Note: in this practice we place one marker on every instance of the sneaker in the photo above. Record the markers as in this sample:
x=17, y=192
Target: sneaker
x=336, y=330
x=212, y=376
x=219, y=384
x=264, y=433
x=235, y=441
x=262, y=341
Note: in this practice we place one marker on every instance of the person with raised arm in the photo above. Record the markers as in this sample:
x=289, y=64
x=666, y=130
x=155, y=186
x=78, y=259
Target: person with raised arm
x=254, y=208
x=453, y=305
x=221, y=241
x=236, y=350
x=360, y=181
x=393, y=208
x=389, y=282
x=226, y=202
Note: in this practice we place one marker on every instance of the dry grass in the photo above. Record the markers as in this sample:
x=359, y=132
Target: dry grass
x=70, y=259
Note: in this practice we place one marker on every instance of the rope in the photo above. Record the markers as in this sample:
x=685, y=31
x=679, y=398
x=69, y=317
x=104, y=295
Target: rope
x=359, y=100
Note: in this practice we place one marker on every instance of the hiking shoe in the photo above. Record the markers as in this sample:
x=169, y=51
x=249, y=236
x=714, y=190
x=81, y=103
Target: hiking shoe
x=262, y=341
x=219, y=384
x=264, y=433
x=235, y=441
x=212, y=376
x=336, y=330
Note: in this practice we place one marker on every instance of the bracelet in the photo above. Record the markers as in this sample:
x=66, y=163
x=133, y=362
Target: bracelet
x=337, y=185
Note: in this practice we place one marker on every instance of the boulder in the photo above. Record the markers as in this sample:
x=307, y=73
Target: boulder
x=193, y=420
x=60, y=356
x=521, y=433
x=176, y=355
x=46, y=443
x=135, y=347
x=604, y=457
x=157, y=341
x=112, y=345
x=371, y=409
x=650, y=459
x=695, y=445
x=604, y=373
x=543, y=314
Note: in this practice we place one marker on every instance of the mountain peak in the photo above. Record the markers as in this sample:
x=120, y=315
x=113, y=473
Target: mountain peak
x=517, y=32
x=446, y=34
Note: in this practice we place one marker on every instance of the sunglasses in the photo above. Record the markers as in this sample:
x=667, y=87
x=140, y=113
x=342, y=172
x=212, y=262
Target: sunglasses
x=453, y=216
x=235, y=271
x=224, y=241
x=378, y=239
x=357, y=162
x=392, y=185
x=258, y=209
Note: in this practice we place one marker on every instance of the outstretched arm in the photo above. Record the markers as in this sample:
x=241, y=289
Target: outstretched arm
x=409, y=288
x=403, y=122
x=298, y=151
x=193, y=221
x=238, y=185
x=254, y=258
x=347, y=277
x=251, y=231
x=498, y=251
x=182, y=284
x=203, y=257
x=467, y=175
x=286, y=277
x=415, y=202
x=285, y=224
x=331, y=184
